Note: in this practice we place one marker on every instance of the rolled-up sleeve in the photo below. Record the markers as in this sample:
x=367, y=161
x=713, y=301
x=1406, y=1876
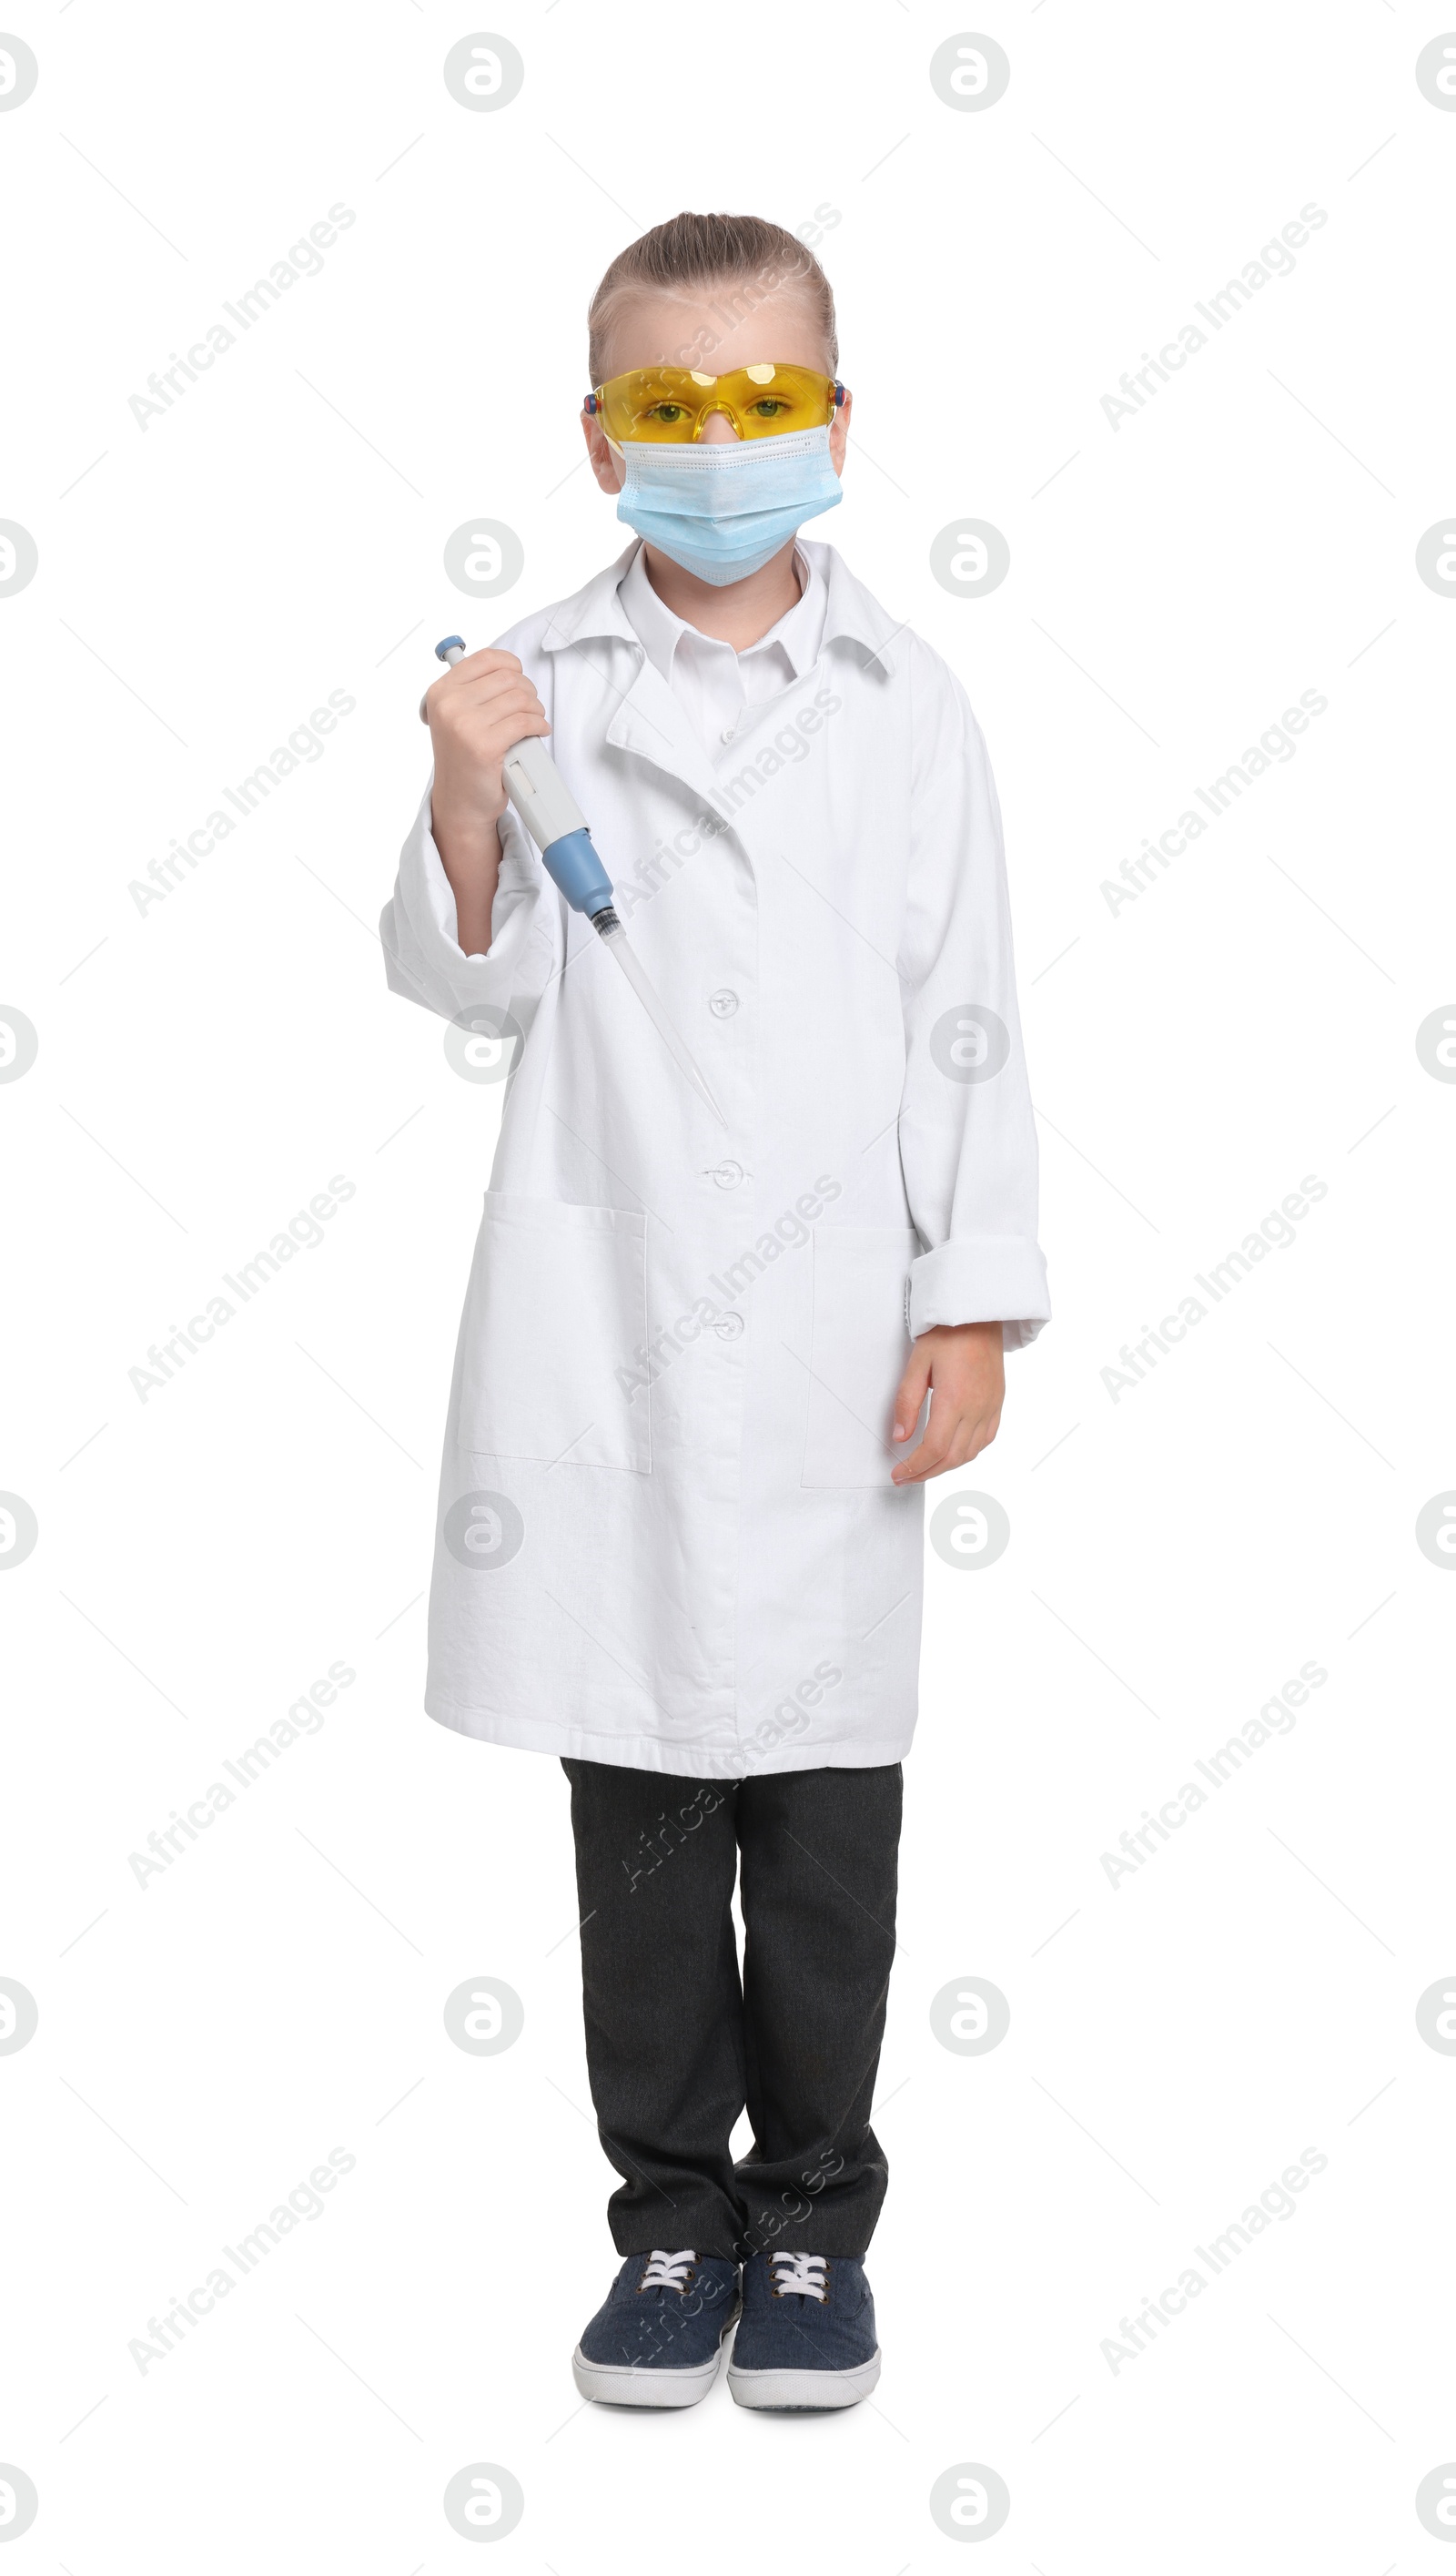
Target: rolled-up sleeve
x=967, y=1135
x=423, y=958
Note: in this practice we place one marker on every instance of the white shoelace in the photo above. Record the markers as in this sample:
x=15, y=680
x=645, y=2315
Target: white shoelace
x=803, y=2273
x=667, y=2271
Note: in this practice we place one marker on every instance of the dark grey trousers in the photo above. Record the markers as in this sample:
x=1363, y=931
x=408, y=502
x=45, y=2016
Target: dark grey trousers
x=677, y=2044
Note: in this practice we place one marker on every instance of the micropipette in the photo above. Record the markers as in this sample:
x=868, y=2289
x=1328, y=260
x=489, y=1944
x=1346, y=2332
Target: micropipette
x=559, y=829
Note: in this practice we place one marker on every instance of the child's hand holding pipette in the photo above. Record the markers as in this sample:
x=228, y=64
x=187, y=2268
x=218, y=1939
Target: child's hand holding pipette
x=481, y=706
x=527, y=776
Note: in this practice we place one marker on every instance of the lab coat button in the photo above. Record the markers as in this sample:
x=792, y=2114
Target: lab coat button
x=728, y=1175
x=723, y=1004
x=728, y=1327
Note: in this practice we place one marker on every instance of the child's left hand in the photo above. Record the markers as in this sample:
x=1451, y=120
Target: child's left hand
x=963, y=1367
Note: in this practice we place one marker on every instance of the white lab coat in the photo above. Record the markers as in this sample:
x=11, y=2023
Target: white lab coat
x=667, y=1535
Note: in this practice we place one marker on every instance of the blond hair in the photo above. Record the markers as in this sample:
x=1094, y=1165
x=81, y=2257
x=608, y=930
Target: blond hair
x=743, y=255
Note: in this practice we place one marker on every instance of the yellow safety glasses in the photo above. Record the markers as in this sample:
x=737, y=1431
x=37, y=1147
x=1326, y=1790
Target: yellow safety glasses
x=674, y=402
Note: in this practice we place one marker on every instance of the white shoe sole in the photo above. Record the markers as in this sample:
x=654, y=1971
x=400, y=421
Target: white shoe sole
x=803, y=2391
x=619, y=2384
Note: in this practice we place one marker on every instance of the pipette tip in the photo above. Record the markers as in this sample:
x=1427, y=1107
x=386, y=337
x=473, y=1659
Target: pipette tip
x=615, y=939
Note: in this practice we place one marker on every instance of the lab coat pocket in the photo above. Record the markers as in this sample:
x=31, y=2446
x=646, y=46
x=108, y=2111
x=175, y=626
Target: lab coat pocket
x=858, y=1348
x=555, y=1316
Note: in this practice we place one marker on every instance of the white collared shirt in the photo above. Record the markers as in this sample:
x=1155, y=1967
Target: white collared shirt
x=714, y=685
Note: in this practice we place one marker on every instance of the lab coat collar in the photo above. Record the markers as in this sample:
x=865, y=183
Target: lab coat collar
x=851, y=613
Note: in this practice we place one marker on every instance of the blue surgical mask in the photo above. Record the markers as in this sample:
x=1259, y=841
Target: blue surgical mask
x=722, y=508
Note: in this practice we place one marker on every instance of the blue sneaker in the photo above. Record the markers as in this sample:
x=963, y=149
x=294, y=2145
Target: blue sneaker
x=806, y=2338
x=659, y=2339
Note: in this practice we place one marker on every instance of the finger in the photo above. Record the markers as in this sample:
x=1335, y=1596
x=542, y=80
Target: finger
x=973, y=1433
x=910, y=1394
x=940, y=1449
x=501, y=723
x=471, y=665
x=922, y=1462
x=943, y=1421
x=488, y=688
x=468, y=674
x=929, y=1457
x=983, y=1428
x=511, y=702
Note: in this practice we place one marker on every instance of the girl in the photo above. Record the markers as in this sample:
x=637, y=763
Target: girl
x=682, y=1496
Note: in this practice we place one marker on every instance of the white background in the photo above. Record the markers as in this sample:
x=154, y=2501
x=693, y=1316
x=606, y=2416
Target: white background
x=207, y=1065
